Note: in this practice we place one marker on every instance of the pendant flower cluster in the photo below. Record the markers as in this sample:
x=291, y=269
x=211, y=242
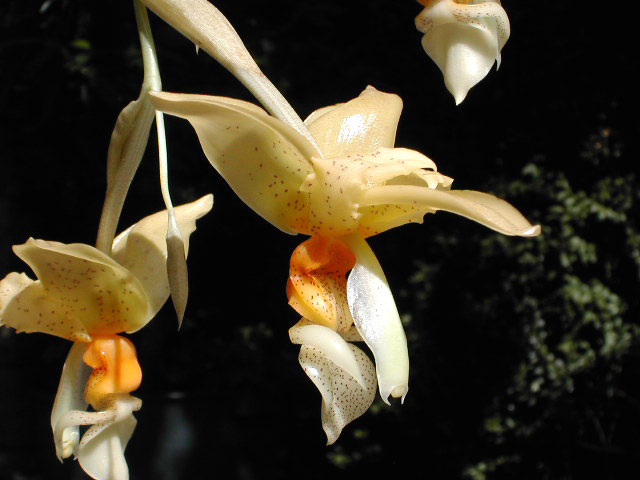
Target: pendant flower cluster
x=350, y=185
x=88, y=297
x=464, y=38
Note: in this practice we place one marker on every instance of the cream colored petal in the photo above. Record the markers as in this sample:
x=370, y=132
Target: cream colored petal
x=483, y=208
x=10, y=286
x=362, y=125
x=330, y=344
x=376, y=318
x=80, y=292
x=142, y=248
x=69, y=397
x=101, y=450
x=343, y=399
x=463, y=40
x=336, y=185
x=262, y=159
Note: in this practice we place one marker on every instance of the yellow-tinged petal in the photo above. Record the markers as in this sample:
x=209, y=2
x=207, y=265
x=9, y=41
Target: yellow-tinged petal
x=343, y=398
x=483, y=208
x=115, y=369
x=10, y=286
x=261, y=158
x=142, y=248
x=317, y=282
x=80, y=292
x=362, y=125
x=337, y=184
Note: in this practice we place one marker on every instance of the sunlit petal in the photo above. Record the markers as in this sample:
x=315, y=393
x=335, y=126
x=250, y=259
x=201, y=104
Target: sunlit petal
x=343, y=399
x=483, y=208
x=361, y=125
x=80, y=292
x=142, y=248
x=261, y=158
x=376, y=318
x=330, y=344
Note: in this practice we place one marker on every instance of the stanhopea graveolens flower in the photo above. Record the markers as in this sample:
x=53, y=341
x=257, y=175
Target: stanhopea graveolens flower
x=464, y=38
x=88, y=297
x=355, y=186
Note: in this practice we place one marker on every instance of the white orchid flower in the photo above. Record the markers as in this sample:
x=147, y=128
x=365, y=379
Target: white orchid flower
x=464, y=38
x=356, y=185
x=87, y=297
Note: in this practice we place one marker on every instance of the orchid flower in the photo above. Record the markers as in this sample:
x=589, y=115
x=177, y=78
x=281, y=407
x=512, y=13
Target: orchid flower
x=88, y=297
x=464, y=38
x=354, y=186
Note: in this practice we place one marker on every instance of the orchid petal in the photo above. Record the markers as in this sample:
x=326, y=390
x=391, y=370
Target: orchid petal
x=10, y=286
x=343, y=399
x=361, y=125
x=483, y=208
x=330, y=344
x=101, y=450
x=376, y=318
x=80, y=292
x=262, y=159
x=142, y=248
x=464, y=39
x=69, y=397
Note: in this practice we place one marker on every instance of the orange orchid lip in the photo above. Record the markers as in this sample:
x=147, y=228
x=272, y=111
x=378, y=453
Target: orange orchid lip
x=115, y=368
x=317, y=284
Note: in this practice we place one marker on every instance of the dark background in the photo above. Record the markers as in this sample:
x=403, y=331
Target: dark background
x=524, y=353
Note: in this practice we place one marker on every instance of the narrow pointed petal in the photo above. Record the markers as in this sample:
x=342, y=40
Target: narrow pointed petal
x=343, y=399
x=69, y=397
x=376, y=318
x=330, y=344
x=361, y=125
x=483, y=208
x=142, y=248
x=178, y=275
x=80, y=292
x=262, y=159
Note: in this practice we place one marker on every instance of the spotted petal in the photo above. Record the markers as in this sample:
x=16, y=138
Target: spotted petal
x=343, y=399
x=80, y=292
x=260, y=157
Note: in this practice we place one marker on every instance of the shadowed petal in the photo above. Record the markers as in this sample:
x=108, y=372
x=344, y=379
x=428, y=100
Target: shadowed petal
x=80, y=292
x=142, y=248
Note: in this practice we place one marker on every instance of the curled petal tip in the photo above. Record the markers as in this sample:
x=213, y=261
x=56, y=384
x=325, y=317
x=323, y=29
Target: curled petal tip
x=532, y=232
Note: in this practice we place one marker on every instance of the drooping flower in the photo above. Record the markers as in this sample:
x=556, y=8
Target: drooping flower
x=88, y=297
x=354, y=186
x=464, y=38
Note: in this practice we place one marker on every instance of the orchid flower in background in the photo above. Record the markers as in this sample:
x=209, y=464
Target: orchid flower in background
x=88, y=297
x=464, y=38
x=354, y=186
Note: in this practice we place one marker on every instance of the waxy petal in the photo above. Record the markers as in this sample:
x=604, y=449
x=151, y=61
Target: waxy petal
x=101, y=450
x=70, y=396
x=330, y=344
x=483, y=208
x=362, y=125
x=80, y=292
x=376, y=318
x=343, y=399
x=464, y=39
x=261, y=158
x=10, y=286
x=142, y=248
